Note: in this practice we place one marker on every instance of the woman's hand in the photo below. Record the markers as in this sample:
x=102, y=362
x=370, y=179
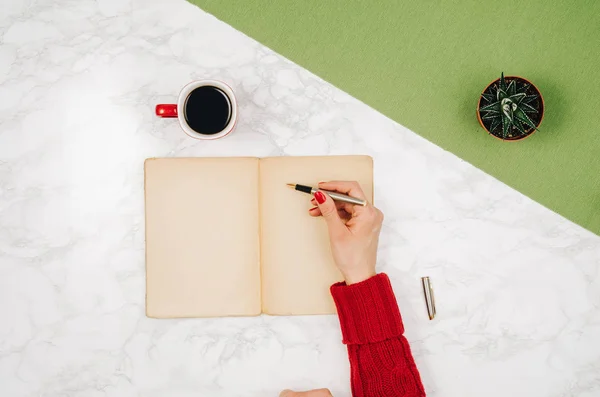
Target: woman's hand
x=310, y=393
x=353, y=230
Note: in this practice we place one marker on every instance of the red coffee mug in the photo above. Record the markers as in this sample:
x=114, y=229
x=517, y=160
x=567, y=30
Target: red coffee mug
x=179, y=110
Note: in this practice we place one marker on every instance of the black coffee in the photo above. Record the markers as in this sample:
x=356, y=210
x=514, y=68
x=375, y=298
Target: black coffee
x=207, y=110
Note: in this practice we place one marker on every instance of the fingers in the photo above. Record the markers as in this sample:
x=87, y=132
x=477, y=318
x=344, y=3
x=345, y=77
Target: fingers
x=369, y=219
x=341, y=206
x=316, y=212
x=351, y=188
x=330, y=213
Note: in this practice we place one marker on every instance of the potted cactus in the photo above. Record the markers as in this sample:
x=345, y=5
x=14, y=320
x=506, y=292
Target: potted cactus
x=510, y=108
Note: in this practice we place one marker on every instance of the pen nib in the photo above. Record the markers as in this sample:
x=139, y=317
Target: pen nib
x=291, y=185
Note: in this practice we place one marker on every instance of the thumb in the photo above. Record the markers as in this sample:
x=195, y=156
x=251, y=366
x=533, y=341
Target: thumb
x=329, y=212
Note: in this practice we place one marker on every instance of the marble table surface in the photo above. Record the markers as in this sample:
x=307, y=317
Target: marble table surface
x=517, y=286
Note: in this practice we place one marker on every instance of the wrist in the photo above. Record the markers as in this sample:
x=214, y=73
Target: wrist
x=357, y=277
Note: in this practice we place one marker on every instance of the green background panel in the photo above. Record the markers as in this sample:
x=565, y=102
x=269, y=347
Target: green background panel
x=424, y=63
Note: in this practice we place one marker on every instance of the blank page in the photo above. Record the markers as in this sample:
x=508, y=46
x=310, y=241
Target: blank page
x=202, y=237
x=297, y=266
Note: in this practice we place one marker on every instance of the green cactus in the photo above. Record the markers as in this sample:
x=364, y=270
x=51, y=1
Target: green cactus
x=510, y=108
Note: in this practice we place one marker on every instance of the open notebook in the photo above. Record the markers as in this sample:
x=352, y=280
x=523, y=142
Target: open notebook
x=227, y=237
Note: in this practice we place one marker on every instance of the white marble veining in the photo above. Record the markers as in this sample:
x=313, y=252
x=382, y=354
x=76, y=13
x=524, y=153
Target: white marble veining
x=517, y=286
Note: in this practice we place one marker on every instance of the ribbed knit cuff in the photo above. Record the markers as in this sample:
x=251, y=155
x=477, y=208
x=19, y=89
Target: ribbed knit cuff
x=368, y=310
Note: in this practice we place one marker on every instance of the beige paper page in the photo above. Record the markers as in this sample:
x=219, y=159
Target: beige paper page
x=202, y=237
x=297, y=267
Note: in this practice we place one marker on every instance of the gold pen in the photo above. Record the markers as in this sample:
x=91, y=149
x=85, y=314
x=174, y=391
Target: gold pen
x=429, y=298
x=334, y=195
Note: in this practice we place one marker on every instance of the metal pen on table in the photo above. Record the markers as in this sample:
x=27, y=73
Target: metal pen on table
x=429, y=298
x=334, y=195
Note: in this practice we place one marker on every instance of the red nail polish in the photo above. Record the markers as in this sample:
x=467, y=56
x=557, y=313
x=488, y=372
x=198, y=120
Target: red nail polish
x=320, y=197
x=312, y=209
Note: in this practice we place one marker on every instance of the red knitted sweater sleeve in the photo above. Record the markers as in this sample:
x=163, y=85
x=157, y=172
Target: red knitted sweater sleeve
x=381, y=363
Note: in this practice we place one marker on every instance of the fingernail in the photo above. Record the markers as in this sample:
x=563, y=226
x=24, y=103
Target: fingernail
x=312, y=209
x=320, y=197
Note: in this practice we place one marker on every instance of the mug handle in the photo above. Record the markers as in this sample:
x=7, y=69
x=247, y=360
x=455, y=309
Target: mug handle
x=166, y=110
